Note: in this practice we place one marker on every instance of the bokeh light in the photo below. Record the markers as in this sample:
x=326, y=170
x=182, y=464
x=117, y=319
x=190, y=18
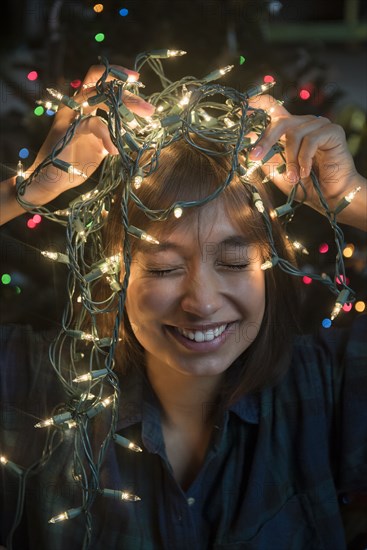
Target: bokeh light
x=31, y=224
x=123, y=12
x=33, y=75
x=340, y=279
x=23, y=153
x=39, y=110
x=360, y=306
x=323, y=248
x=242, y=59
x=304, y=94
x=347, y=307
x=50, y=112
x=5, y=278
x=269, y=78
x=76, y=83
x=37, y=218
x=348, y=250
x=326, y=323
x=99, y=37
x=307, y=280
x=98, y=8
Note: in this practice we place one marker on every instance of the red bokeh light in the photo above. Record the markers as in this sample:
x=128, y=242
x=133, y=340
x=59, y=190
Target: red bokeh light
x=32, y=75
x=75, y=83
x=307, y=280
x=323, y=248
x=341, y=279
x=304, y=94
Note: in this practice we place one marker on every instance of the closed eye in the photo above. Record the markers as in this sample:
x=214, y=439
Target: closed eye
x=234, y=267
x=160, y=272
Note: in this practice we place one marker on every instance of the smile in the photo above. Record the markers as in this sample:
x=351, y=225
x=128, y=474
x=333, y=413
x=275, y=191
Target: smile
x=203, y=335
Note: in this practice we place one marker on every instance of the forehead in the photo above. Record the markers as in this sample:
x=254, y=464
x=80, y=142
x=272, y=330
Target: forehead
x=203, y=227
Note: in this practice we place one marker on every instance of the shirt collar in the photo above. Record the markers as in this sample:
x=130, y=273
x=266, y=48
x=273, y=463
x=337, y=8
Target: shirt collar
x=247, y=408
x=138, y=401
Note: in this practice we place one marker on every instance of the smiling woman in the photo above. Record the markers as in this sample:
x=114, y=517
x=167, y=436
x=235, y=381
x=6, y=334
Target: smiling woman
x=180, y=408
x=204, y=275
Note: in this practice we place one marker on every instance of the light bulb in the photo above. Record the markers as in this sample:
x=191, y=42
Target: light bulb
x=11, y=466
x=258, y=202
x=140, y=234
x=54, y=420
x=20, y=172
x=120, y=495
x=175, y=53
x=92, y=375
x=120, y=440
x=55, y=256
x=226, y=69
x=177, y=212
x=68, y=514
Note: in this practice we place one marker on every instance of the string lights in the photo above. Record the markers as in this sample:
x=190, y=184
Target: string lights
x=184, y=109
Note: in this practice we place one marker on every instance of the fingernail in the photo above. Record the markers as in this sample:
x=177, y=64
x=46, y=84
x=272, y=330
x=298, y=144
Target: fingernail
x=256, y=152
x=304, y=172
x=292, y=176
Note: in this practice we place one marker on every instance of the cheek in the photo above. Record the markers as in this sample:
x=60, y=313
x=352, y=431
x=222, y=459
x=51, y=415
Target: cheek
x=252, y=292
x=147, y=299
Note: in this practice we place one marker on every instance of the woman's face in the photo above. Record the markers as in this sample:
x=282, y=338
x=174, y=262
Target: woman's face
x=196, y=300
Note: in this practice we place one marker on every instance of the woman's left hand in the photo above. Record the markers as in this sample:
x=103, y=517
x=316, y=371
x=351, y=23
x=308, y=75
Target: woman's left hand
x=310, y=142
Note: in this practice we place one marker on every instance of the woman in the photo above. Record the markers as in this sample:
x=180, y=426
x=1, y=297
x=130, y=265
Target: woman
x=249, y=432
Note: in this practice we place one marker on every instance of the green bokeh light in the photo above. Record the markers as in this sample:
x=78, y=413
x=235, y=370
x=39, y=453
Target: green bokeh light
x=99, y=37
x=39, y=110
x=5, y=279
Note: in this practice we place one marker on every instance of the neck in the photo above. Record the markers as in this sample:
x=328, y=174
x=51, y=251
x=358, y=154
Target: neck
x=186, y=400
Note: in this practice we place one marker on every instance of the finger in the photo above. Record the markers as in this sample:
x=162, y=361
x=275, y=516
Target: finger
x=272, y=134
x=324, y=138
x=269, y=104
x=137, y=105
x=96, y=126
x=276, y=129
x=297, y=139
x=96, y=71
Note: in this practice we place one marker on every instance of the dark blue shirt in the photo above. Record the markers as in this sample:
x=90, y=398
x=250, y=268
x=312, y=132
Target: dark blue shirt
x=272, y=478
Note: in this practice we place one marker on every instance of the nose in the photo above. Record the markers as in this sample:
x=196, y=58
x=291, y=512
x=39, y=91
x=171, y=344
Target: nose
x=202, y=294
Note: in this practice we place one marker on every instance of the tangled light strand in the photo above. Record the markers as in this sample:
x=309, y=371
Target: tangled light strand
x=184, y=109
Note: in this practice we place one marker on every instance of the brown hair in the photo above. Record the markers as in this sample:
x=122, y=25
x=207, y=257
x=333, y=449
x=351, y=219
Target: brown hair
x=186, y=173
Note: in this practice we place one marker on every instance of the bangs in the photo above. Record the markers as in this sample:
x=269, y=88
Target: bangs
x=187, y=174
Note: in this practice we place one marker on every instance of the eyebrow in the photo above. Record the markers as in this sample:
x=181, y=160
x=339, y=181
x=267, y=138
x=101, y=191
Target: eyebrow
x=230, y=242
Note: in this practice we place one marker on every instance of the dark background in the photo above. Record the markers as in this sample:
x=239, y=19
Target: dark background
x=321, y=47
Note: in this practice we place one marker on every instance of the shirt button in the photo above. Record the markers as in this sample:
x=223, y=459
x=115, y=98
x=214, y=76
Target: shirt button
x=190, y=501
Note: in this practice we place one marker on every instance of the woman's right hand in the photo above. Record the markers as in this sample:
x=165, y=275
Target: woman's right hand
x=88, y=147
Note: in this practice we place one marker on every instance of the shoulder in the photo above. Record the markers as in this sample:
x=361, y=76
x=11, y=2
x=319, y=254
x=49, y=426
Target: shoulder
x=330, y=353
x=326, y=365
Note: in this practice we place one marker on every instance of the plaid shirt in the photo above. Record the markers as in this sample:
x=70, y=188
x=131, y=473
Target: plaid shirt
x=273, y=475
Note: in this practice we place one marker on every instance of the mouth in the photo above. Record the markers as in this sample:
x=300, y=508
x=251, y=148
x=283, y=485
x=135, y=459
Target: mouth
x=202, y=335
x=208, y=338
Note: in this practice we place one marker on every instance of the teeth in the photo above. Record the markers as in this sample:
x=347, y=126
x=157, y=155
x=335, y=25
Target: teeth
x=203, y=336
